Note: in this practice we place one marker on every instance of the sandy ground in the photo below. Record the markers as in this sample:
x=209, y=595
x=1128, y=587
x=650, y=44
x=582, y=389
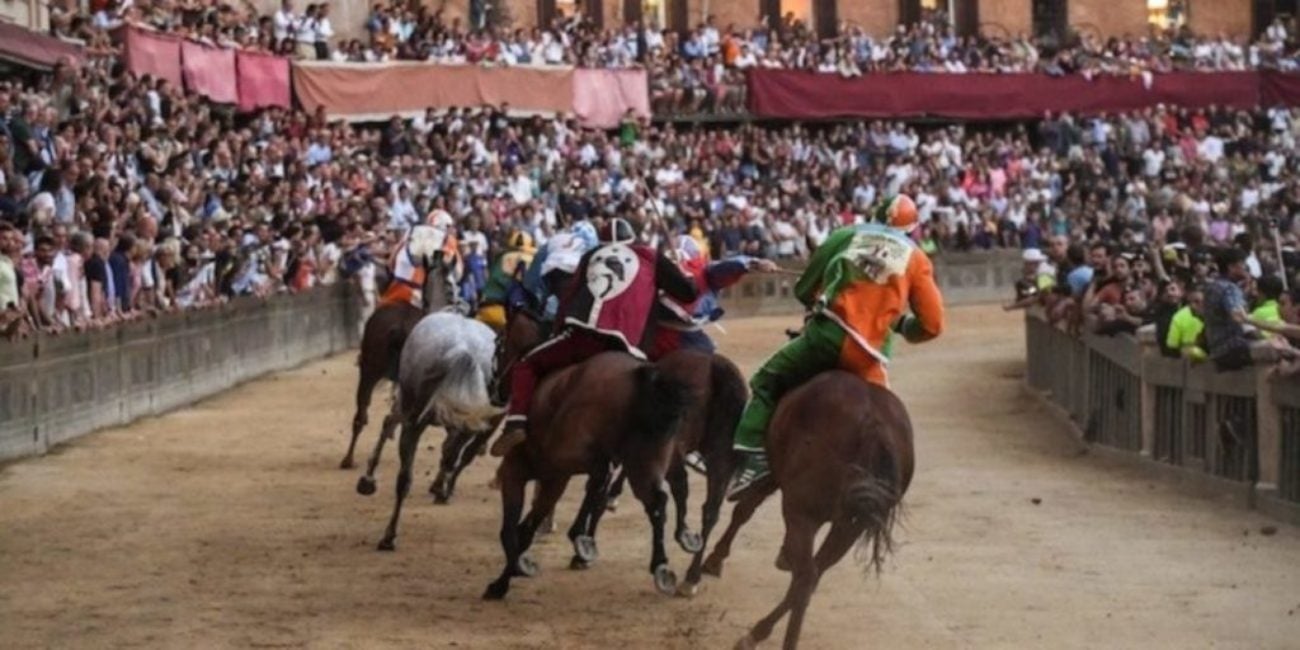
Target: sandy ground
x=228, y=525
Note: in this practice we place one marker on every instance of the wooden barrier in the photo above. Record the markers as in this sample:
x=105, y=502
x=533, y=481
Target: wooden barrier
x=1239, y=431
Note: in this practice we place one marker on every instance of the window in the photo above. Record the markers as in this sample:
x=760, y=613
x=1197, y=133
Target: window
x=654, y=13
x=802, y=10
x=1167, y=14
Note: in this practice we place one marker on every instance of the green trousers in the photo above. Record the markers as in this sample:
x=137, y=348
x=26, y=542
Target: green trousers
x=814, y=351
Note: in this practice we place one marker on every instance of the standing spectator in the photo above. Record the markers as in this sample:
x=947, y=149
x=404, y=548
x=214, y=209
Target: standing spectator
x=1225, y=317
x=324, y=32
x=285, y=23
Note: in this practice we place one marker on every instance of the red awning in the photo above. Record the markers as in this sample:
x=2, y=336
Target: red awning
x=33, y=49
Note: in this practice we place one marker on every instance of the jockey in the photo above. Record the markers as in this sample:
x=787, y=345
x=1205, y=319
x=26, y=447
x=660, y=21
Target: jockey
x=676, y=324
x=406, y=275
x=554, y=265
x=507, y=270
x=407, y=267
x=606, y=308
x=857, y=285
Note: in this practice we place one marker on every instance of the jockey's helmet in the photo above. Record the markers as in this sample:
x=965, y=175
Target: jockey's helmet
x=687, y=249
x=440, y=219
x=617, y=231
x=899, y=212
x=519, y=240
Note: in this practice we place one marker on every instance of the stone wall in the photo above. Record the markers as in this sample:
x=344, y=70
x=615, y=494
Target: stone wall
x=54, y=389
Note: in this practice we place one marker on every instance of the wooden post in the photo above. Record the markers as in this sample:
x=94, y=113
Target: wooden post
x=1268, y=419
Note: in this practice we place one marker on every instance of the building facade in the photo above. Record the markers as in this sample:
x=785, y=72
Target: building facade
x=31, y=14
x=1003, y=17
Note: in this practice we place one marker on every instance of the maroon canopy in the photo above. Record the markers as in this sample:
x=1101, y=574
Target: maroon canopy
x=35, y=50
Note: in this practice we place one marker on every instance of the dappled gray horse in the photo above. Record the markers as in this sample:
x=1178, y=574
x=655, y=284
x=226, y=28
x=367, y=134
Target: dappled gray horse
x=445, y=369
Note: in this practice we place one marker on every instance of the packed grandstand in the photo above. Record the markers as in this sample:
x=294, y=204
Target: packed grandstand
x=125, y=195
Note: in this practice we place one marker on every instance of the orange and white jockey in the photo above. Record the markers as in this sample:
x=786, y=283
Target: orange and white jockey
x=416, y=254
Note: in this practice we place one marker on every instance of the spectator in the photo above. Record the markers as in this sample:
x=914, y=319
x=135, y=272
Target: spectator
x=1228, y=344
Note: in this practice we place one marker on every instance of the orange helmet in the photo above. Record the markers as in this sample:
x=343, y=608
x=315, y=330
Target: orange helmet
x=899, y=212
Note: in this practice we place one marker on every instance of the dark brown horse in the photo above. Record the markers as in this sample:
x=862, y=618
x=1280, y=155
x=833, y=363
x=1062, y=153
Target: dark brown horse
x=841, y=451
x=718, y=395
x=583, y=419
x=382, y=339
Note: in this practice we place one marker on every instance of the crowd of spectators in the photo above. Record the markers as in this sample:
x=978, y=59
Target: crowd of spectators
x=123, y=196
x=700, y=69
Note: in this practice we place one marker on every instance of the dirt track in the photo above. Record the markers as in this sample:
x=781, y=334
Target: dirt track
x=227, y=525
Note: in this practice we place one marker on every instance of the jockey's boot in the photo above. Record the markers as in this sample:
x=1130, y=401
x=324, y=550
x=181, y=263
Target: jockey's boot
x=512, y=436
x=752, y=470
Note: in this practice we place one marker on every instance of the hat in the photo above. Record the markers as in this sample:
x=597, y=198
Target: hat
x=1033, y=255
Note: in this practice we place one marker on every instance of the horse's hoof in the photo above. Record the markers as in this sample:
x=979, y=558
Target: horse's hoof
x=612, y=505
x=441, y=495
x=346, y=464
x=782, y=564
x=579, y=564
x=712, y=567
x=387, y=544
x=584, y=546
x=366, y=486
x=495, y=591
x=690, y=541
x=665, y=580
x=527, y=566
x=687, y=589
x=746, y=642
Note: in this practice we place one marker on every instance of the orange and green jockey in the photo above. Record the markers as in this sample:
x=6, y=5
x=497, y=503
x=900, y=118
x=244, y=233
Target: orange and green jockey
x=858, y=285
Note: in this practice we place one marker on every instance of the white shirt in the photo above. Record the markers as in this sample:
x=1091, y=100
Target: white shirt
x=324, y=31
x=285, y=24
x=1152, y=161
x=1211, y=148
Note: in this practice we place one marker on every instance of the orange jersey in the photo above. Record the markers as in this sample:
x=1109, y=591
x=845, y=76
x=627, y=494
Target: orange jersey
x=867, y=276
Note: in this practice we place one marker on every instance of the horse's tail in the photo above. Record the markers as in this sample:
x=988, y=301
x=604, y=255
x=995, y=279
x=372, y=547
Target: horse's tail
x=460, y=401
x=727, y=397
x=873, y=500
x=660, y=403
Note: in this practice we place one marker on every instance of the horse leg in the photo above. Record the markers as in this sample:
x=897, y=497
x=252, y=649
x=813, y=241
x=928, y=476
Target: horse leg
x=800, y=536
x=513, y=479
x=473, y=449
x=366, y=484
x=548, y=493
x=457, y=453
x=715, y=492
x=406, y=448
x=616, y=490
x=679, y=483
x=652, y=491
x=583, y=532
x=365, y=388
x=740, y=515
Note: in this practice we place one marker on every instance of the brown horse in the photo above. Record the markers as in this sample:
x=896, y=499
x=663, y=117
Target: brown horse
x=841, y=451
x=718, y=395
x=610, y=408
x=381, y=345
